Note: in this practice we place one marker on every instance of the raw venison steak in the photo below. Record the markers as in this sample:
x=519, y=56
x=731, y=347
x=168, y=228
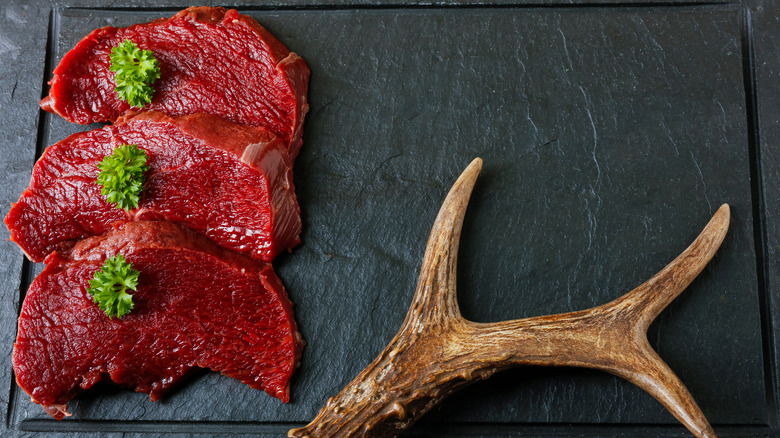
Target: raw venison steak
x=196, y=305
x=229, y=182
x=211, y=60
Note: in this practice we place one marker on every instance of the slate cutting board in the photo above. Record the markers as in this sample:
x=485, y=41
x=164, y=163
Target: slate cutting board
x=610, y=134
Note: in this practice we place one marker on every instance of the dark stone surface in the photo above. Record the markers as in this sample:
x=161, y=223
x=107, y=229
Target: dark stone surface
x=610, y=134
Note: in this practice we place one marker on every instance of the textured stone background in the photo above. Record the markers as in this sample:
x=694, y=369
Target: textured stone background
x=610, y=134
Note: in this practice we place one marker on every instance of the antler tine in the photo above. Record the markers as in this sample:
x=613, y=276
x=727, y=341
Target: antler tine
x=436, y=300
x=652, y=296
x=644, y=368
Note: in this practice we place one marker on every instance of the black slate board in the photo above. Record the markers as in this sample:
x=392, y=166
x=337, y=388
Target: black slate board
x=610, y=134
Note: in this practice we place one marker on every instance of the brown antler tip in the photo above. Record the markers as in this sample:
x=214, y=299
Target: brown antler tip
x=725, y=209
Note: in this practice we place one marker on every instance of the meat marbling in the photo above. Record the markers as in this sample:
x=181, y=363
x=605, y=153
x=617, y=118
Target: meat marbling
x=230, y=182
x=211, y=60
x=196, y=305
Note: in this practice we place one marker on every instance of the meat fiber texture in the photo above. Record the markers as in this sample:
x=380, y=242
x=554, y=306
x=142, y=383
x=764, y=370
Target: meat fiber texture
x=211, y=60
x=196, y=305
x=232, y=183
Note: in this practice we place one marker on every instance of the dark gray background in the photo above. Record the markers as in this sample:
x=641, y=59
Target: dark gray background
x=610, y=133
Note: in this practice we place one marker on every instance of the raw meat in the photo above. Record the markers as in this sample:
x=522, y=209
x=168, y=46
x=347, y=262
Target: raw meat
x=229, y=182
x=196, y=305
x=211, y=60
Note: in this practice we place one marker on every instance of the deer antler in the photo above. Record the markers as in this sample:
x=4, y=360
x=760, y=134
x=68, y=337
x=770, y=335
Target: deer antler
x=437, y=351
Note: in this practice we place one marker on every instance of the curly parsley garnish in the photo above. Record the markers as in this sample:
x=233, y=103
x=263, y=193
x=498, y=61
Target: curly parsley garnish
x=122, y=176
x=136, y=70
x=110, y=284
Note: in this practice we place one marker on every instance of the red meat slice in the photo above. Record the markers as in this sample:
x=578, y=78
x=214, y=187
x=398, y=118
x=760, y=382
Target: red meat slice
x=196, y=305
x=229, y=182
x=211, y=60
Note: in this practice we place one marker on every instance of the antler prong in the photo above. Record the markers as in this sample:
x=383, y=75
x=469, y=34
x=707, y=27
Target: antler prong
x=435, y=299
x=437, y=351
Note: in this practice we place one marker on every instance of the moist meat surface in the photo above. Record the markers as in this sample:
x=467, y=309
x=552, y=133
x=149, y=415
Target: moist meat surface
x=197, y=305
x=229, y=182
x=211, y=60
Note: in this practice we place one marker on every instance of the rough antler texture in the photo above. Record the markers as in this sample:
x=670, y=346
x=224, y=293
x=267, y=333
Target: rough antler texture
x=437, y=351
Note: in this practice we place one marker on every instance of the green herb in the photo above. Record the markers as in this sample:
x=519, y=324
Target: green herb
x=122, y=176
x=136, y=70
x=110, y=285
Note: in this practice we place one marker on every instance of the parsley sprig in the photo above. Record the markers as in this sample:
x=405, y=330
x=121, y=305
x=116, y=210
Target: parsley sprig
x=122, y=176
x=110, y=285
x=136, y=70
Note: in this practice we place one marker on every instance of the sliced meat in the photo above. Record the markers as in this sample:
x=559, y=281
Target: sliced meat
x=196, y=305
x=229, y=182
x=211, y=60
